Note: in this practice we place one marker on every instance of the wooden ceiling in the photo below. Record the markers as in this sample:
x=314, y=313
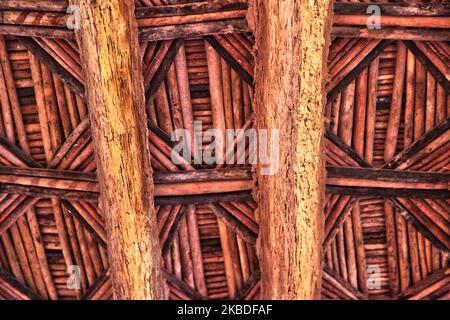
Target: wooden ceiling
x=387, y=211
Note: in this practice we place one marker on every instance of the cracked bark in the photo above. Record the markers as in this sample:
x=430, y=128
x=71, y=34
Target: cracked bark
x=292, y=39
x=114, y=85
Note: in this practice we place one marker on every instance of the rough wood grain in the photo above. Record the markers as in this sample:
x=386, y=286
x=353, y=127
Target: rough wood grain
x=115, y=91
x=291, y=41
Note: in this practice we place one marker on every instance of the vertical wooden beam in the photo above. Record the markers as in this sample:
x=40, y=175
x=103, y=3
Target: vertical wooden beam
x=115, y=92
x=292, y=38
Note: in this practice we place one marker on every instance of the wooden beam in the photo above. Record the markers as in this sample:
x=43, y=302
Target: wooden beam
x=15, y=156
x=73, y=83
x=15, y=210
x=394, y=9
x=36, y=31
x=114, y=86
x=346, y=149
x=441, y=78
x=101, y=289
x=428, y=285
x=161, y=72
x=392, y=33
x=394, y=21
x=74, y=185
x=391, y=243
x=290, y=75
x=205, y=199
x=341, y=285
x=13, y=289
x=234, y=223
x=346, y=80
x=422, y=223
x=166, y=238
x=393, y=179
x=32, y=5
x=193, y=29
x=336, y=218
x=231, y=61
x=246, y=289
x=178, y=285
x=425, y=144
x=179, y=14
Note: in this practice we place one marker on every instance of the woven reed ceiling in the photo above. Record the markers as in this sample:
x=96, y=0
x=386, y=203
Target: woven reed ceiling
x=386, y=231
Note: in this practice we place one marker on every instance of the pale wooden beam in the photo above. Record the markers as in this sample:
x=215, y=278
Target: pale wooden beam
x=115, y=91
x=292, y=38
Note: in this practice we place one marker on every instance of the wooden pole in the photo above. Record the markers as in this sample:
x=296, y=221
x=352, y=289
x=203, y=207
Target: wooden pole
x=292, y=38
x=115, y=91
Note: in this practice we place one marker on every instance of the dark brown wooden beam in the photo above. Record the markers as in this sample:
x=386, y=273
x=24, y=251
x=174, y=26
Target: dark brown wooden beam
x=231, y=61
x=36, y=31
x=75, y=185
x=101, y=288
x=179, y=285
x=341, y=285
x=428, y=285
x=193, y=29
x=12, y=288
x=419, y=144
x=161, y=73
x=351, y=153
x=205, y=199
x=91, y=224
x=73, y=83
x=182, y=10
x=252, y=281
x=18, y=208
x=391, y=33
x=33, y=5
x=167, y=242
x=441, y=78
x=392, y=179
x=359, y=68
x=422, y=223
x=335, y=220
x=15, y=155
x=235, y=224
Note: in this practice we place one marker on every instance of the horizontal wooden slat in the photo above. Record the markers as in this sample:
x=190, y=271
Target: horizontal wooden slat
x=373, y=178
x=392, y=33
x=81, y=185
x=394, y=9
x=41, y=5
x=193, y=29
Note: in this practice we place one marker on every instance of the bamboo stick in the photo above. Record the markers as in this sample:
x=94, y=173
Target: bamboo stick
x=396, y=105
x=359, y=248
x=350, y=252
x=346, y=114
x=394, y=21
x=391, y=248
x=197, y=260
x=13, y=98
x=430, y=109
x=440, y=104
x=360, y=112
x=371, y=109
x=419, y=112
